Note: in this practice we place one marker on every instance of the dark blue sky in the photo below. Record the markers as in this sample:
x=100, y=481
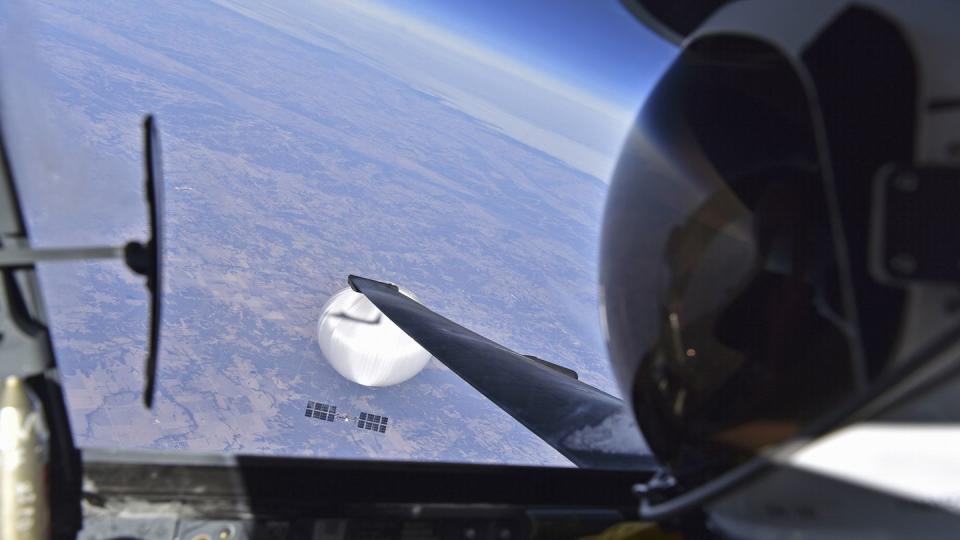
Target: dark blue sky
x=593, y=44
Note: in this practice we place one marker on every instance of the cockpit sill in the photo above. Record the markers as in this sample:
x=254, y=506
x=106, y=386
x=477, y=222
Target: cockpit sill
x=218, y=495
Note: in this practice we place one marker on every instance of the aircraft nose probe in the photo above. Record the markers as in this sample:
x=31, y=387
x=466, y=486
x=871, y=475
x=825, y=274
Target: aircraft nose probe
x=143, y=258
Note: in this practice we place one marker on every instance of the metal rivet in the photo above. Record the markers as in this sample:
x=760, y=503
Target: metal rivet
x=953, y=149
x=777, y=511
x=807, y=512
x=906, y=181
x=903, y=263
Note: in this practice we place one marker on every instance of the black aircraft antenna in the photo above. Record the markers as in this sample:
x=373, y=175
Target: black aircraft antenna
x=143, y=258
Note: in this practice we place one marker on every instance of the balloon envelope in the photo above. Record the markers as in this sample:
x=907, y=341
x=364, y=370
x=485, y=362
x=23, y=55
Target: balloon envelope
x=365, y=346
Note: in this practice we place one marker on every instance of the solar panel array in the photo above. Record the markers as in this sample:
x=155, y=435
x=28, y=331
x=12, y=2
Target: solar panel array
x=321, y=411
x=373, y=422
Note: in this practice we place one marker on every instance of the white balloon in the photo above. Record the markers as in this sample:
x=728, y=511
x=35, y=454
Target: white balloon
x=363, y=345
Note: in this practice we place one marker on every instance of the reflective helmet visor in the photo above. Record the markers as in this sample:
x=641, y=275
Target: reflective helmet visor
x=721, y=292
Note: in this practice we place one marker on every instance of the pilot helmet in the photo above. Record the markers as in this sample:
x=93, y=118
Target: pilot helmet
x=778, y=242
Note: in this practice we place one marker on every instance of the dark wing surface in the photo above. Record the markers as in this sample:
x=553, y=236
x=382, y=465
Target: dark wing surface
x=589, y=427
